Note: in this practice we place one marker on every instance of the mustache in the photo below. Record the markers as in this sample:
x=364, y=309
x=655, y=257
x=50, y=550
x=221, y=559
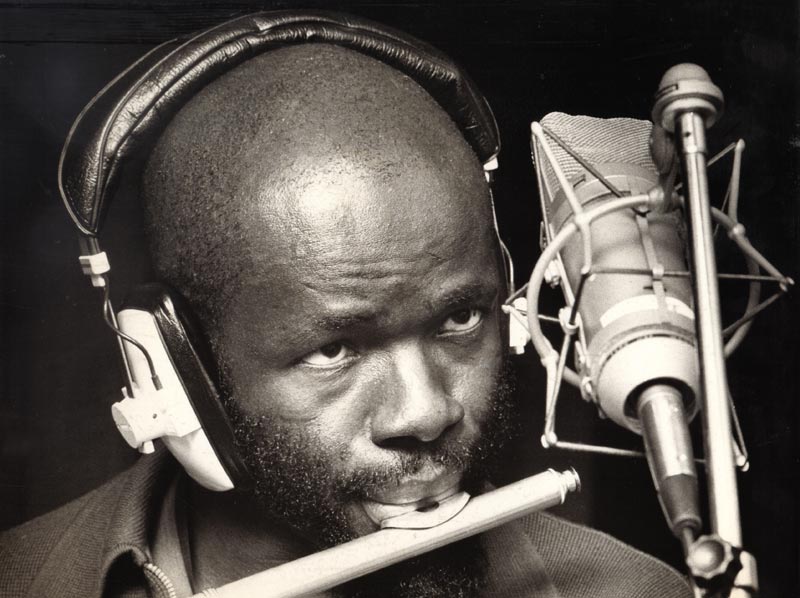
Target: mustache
x=476, y=458
x=454, y=455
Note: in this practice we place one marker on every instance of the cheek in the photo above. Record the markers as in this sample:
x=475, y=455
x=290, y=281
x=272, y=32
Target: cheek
x=332, y=407
x=473, y=374
x=294, y=397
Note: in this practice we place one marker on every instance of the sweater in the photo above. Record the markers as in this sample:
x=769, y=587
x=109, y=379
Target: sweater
x=100, y=545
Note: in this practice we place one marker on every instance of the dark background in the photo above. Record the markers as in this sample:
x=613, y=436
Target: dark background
x=601, y=58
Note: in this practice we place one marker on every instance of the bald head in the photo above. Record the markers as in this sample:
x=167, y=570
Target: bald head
x=300, y=150
x=332, y=228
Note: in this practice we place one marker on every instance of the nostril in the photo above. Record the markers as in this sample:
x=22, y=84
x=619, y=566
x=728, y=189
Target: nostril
x=401, y=443
x=413, y=444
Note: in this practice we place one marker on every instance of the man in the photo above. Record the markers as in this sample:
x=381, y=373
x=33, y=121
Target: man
x=332, y=231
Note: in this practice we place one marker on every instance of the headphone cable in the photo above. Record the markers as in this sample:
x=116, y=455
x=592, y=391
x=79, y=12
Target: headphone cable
x=109, y=320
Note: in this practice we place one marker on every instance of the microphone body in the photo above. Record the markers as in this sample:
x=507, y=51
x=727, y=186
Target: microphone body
x=636, y=318
x=650, y=350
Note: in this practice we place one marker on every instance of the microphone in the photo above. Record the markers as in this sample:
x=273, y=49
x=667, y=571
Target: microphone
x=638, y=360
x=649, y=345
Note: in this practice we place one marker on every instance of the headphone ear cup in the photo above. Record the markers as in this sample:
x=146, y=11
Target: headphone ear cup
x=193, y=423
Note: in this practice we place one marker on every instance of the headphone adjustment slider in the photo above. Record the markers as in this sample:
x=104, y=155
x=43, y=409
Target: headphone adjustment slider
x=518, y=335
x=140, y=419
x=489, y=168
x=95, y=266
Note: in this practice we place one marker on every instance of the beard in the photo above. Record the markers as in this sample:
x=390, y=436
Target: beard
x=294, y=481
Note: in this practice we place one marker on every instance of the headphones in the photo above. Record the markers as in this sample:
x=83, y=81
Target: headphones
x=171, y=387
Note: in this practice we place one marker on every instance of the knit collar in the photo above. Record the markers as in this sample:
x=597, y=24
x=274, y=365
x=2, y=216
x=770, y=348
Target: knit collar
x=516, y=569
x=138, y=507
x=128, y=508
x=107, y=538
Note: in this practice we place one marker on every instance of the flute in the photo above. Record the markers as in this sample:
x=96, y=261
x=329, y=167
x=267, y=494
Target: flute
x=329, y=568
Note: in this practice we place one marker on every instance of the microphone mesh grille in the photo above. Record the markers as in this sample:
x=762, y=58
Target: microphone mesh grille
x=598, y=141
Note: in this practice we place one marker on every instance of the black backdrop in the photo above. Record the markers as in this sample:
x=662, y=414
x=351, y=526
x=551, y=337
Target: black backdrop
x=602, y=58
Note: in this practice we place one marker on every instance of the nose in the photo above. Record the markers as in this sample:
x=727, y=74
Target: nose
x=415, y=403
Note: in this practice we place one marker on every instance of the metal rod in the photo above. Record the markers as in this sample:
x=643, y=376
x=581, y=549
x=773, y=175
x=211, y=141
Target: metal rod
x=752, y=313
x=597, y=449
x=517, y=293
x=580, y=447
x=551, y=319
x=323, y=570
x=552, y=399
x=684, y=274
x=723, y=496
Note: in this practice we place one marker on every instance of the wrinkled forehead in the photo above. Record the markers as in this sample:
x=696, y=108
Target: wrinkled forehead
x=348, y=211
x=304, y=163
x=393, y=252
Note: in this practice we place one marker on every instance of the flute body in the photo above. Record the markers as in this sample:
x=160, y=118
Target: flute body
x=337, y=565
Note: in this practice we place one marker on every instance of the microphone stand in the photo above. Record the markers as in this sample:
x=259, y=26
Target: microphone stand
x=687, y=103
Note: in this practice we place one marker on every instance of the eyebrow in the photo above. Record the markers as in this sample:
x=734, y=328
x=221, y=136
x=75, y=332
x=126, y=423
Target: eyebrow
x=462, y=296
x=334, y=322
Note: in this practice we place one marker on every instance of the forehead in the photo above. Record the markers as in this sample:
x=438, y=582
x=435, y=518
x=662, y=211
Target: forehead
x=379, y=217
x=350, y=248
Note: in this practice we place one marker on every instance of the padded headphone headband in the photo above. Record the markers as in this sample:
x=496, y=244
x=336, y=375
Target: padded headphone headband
x=134, y=108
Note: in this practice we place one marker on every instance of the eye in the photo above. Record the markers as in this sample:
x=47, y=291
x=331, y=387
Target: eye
x=329, y=355
x=461, y=321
